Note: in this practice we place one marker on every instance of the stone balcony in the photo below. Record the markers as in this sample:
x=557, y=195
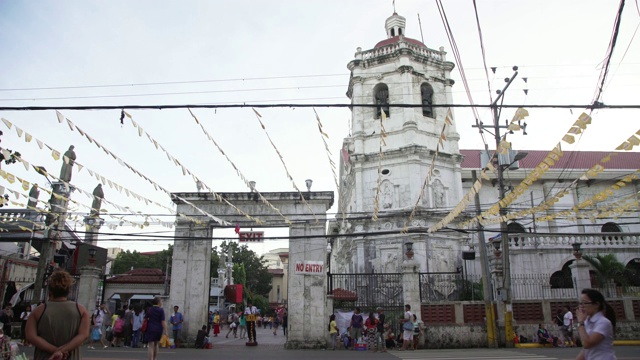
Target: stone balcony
x=556, y=241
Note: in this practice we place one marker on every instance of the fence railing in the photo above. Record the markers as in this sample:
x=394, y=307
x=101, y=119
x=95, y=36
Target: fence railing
x=456, y=287
x=366, y=290
x=440, y=287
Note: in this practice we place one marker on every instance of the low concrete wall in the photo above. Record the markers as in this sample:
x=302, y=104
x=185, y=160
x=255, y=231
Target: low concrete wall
x=453, y=336
x=471, y=336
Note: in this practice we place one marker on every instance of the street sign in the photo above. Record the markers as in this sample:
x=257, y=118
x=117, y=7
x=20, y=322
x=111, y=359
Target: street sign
x=251, y=236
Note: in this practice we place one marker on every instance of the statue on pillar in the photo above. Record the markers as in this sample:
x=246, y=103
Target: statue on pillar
x=98, y=195
x=33, y=197
x=67, y=164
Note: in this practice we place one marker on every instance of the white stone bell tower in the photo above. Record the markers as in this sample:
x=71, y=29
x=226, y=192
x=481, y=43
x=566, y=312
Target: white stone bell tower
x=397, y=71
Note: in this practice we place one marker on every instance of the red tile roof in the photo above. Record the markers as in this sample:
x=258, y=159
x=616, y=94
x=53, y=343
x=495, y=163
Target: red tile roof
x=343, y=294
x=570, y=160
x=139, y=276
x=395, y=39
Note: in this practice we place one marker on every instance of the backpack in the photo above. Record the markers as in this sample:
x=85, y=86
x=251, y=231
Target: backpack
x=118, y=327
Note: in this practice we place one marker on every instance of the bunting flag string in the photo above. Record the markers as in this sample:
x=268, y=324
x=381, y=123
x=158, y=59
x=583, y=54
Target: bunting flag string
x=383, y=134
x=589, y=174
x=99, y=177
x=238, y=172
x=5, y=175
x=258, y=116
x=186, y=171
x=447, y=121
x=156, y=185
x=324, y=136
x=466, y=200
x=578, y=127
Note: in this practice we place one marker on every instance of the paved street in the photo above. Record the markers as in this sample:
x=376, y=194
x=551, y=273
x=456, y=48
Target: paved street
x=272, y=347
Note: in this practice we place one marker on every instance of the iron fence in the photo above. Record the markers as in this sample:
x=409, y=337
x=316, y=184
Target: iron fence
x=366, y=291
x=540, y=287
x=441, y=287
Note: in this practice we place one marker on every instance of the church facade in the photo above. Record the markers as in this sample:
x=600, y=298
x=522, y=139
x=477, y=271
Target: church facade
x=389, y=154
x=401, y=171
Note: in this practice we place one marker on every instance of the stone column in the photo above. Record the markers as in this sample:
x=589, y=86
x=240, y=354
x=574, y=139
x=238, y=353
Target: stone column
x=580, y=275
x=190, y=274
x=306, y=307
x=88, y=286
x=411, y=285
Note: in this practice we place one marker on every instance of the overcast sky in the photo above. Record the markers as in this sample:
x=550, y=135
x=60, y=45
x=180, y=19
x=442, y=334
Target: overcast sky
x=220, y=52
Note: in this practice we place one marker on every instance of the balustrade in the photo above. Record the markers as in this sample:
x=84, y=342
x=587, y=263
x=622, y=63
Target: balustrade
x=392, y=48
x=551, y=241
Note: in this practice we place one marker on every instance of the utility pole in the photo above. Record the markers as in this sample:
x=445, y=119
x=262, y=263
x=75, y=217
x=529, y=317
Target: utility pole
x=492, y=329
x=55, y=218
x=504, y=292
x=504, y=238
x=61, y=190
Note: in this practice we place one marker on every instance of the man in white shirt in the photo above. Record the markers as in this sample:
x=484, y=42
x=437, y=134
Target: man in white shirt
x=251, y=325
x=567, y=328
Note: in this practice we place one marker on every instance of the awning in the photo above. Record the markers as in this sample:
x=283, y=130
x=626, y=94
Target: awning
x=15, y=299
x=142, y=297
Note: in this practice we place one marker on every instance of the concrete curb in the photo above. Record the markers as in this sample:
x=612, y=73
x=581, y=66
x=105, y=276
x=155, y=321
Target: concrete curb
x=615, y=343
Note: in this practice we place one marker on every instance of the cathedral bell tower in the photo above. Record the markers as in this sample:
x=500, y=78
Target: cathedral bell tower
x=390, y=150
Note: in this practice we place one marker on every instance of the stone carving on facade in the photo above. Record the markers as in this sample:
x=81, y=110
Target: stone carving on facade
x=390, y=263
x=438, y=194
x=387, y=195
x=387, y=226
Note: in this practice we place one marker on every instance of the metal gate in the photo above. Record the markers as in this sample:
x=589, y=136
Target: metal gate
x=368, y=292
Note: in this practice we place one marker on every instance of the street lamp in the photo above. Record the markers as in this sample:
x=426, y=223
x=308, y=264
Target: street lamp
x=92, y=256
x=409, y=252
x=577, y=250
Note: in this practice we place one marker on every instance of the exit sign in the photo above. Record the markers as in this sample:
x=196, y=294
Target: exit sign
x=251, y=236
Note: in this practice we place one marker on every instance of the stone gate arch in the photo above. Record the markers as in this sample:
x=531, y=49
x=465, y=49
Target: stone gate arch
x=192, y=256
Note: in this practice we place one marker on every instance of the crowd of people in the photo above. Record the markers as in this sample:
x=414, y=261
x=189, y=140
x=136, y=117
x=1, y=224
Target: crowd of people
x=592, y=327
x=376, y=333
x=58, y=328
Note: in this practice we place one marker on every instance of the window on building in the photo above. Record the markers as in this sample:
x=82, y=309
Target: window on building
x=393, y=32
x=426, y=92
x=400, y=31
x=611, y=227
x=632, y=272
x=515, y=228
x=382, y=100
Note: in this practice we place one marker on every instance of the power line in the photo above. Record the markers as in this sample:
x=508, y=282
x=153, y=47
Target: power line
x=245, y=105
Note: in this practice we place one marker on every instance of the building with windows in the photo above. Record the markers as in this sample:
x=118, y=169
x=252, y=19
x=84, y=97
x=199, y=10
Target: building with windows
x=402, y=172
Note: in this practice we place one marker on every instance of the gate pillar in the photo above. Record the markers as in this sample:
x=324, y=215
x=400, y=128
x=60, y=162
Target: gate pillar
x=411, y=285
x=190, y=270
x=307, y=289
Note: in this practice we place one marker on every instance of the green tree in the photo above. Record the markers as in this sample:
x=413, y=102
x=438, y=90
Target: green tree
x=239, y=274
x=609, y=269
x=127, y=260
x=258, y=278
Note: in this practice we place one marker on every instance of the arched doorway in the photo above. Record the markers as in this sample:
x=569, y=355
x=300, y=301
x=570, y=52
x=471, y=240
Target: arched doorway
x=633, y=272
x=562, y=279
